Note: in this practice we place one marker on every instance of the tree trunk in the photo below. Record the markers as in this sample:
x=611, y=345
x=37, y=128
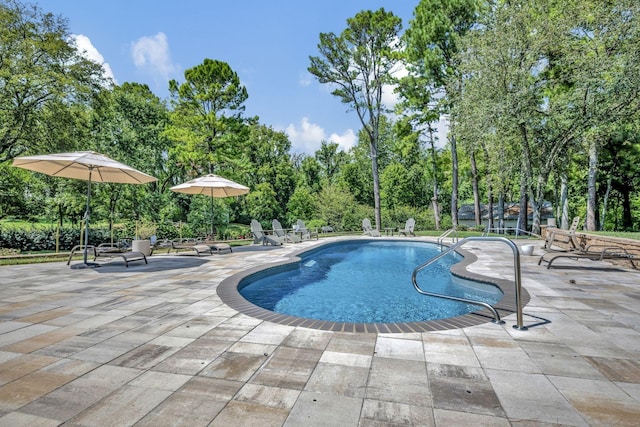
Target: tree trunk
x=454, y=182
x=564, y=201
x=523, y=214
x=476, y=194
x=434, y=167
x=605, y=202
x=627, y=219
x=591, y=186
x=376, y=185
x=501, y=212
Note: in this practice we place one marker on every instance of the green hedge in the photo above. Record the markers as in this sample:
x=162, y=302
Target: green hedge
x=37, y=240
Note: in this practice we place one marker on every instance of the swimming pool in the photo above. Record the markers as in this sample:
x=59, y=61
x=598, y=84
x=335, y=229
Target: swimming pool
x=365, y=282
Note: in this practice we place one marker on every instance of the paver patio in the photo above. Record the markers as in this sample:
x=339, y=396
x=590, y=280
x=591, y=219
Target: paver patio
x=154, y=345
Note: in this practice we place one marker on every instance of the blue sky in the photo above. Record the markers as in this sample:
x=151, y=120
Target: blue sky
x=268, y=43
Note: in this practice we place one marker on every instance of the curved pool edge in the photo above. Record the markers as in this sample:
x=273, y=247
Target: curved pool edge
x=228, y=292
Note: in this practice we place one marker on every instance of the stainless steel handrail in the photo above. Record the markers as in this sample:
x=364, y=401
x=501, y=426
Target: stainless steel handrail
x=516, y=266
x=445, y=235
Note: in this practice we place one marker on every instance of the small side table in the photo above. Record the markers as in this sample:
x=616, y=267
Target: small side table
x=388, y=230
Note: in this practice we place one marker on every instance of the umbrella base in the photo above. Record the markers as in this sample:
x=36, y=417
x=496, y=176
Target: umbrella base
x=83, y=265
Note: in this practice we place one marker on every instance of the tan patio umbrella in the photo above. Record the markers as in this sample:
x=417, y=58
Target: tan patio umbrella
x=213, y=186
x=86, y=165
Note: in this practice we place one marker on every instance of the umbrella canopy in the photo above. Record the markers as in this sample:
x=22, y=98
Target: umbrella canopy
x=213, y=186
x=84, y=165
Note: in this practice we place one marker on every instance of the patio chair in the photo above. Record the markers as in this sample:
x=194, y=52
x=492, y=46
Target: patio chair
x=110, y=250
x=409, y=226
x=368, y=229
x=593, y=253
x=259, y=235
x=569, y=242
x=281, y=234
x=187, y=245
x=305, y=233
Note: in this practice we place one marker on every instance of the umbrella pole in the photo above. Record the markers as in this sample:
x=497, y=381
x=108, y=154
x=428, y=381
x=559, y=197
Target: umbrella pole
x=86, y=219
x=85, y=263
x=211, y=215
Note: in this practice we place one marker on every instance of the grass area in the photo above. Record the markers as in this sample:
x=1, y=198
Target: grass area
x=620, y=234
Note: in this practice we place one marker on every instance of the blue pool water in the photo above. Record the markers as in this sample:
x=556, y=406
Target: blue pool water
x=365, y=282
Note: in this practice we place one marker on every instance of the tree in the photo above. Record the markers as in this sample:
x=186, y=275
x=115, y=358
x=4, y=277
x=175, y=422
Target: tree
x=432, y=41
x=42, y=75
x=359, y=63
x=206, y=121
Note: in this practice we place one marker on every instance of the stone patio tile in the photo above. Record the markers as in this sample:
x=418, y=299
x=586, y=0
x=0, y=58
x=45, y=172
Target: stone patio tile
x=23, y=365
x=445, y=417
x=196, y=327
x=352, y=343
x=396, y=348
x=234, y=366
x=274, y=397
x=308, y=338
x=623, y=370
x=75, y=368
x=508, y=359
x=161, y=380
x=288, y=368
x=247, y=414
x=399, y=381
x=7, y=355
x=356, y=360
x=47, y=315
x=252, y=348
x=183, y=410
x=122, y=408
x=36, y=343
x=228, y=331
x=455, y=387
x=380, y=413
x=448, y=348
x=104, y=352
x=212, y=388
x=632, y=390
x=322, y=410
x=338, y=380
x=557, y=359
x=193, y=358
x=268, y=333
x=17, y=419
x=25, y=333
x=599, y=402
x=30, y=387
x=533, y=398
x=68, y=347
x=145, y=357
x=11, y=325
x=168, y=341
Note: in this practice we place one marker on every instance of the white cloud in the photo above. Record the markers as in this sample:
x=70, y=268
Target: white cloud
x=305, y=79
x=151, y=55
x=307, y=137
x=89, y=51
x=389, y=97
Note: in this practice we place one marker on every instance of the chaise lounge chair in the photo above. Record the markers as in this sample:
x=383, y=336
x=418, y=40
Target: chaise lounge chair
x=593, y=253
x=187, y=245
x=259, y=235
x=109, y=250
x=284, y=236
x=368, y=229
x=408, y=227
x=305, y=233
